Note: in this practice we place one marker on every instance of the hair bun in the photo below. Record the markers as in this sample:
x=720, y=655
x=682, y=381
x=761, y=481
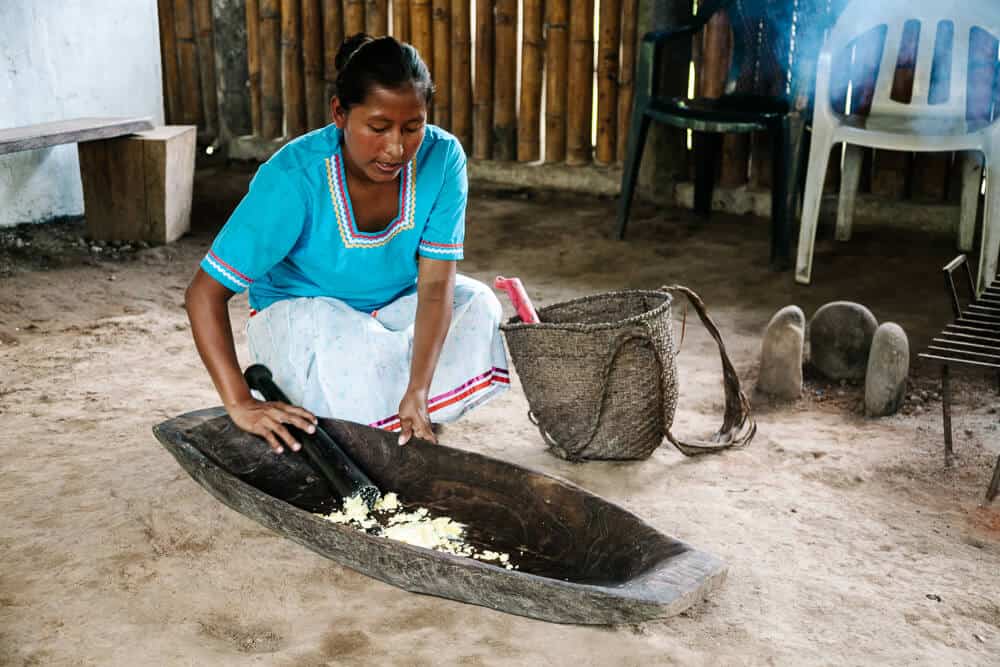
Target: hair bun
x=350, y=47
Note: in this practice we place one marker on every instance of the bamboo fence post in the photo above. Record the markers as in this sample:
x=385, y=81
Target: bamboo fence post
x=187, y=52
x=441, y=46
x=482, y=101
x=270, y=69
x=607, y=80
x=556, y=72
x=532, y=68
x=333, y=37
x=401, y=19
x=377, y=17
x=626, y=76
x=253, y=64
x=292, y=97
x=505, y=80
x=312, y=63
x=581, y=80
x=461, y=73
x=421, y=31
x=206, y=64
x=354, y=17
x=168, y=56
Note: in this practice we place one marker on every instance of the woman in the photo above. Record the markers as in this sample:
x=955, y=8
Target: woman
x=347, y=242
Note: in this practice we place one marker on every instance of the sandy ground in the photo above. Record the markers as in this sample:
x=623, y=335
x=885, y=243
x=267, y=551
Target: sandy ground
x=848, y=542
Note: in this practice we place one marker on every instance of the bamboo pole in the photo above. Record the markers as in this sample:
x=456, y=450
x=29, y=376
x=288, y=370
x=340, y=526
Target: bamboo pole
x=401, y=19
x=505, y=80
x=312, y=63
x=461, y=73
x=206, y=65
x=556, y=72
x=187, y=56
x=168, y=56
x=377, y=17
x=333, y=37
x=253, y=64
x=442, y=62
x=292, y=95
x=270, y=69
x=422, y=37
x=626, y=76
x=581, y=78
x=482, y=101
x=532, y=67
x=607, y=80
x=354, y=17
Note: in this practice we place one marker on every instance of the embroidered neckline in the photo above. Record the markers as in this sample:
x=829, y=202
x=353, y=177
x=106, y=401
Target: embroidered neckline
x=351, y=236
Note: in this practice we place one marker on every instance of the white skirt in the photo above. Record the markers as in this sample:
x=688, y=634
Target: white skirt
x=339, y=362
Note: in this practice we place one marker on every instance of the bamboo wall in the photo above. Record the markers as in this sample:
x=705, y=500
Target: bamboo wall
x=530, y=80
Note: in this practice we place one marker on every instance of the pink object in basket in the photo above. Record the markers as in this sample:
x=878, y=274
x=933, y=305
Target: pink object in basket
x=518, y=297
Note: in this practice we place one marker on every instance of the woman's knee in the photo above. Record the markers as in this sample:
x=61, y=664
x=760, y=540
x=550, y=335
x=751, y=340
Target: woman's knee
x=479, y=298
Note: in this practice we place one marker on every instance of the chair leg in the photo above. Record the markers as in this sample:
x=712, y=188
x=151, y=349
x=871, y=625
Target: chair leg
x=781, y=187
x=991, y=223
x=633, y=158
x=849, y=180
x=707, y=146
x=946, y=415
x=819, y=158
x=972, y=184
x=994, y=488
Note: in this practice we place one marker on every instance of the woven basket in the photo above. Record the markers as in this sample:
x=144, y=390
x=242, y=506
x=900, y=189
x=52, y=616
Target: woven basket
x=600, y=376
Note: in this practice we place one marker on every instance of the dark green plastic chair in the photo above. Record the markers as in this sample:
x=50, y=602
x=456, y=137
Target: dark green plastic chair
x=758, y=97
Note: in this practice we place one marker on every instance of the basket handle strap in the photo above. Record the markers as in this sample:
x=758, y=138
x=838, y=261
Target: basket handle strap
x=595, y=419
x=738, y=425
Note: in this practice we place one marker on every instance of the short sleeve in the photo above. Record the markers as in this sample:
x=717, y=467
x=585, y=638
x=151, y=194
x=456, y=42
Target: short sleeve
x=445, y=231
x=261, y=231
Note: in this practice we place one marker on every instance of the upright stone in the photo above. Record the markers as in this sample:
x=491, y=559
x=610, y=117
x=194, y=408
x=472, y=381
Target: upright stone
x=840, y=338
x=888, y=366
x=781, y=354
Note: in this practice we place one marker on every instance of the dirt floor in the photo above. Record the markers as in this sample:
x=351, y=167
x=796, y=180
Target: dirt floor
x=848, y=541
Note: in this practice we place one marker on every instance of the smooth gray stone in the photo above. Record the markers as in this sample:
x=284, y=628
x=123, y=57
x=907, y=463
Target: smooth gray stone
x=781, y=354
x=840, y=338
x=888, y=366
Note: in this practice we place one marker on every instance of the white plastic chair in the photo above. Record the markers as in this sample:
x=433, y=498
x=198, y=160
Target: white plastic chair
x=918, y=126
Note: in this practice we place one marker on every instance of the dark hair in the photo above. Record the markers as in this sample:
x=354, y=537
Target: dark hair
x=364, y=61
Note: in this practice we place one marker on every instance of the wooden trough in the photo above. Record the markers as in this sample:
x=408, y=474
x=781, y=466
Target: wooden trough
x=582, y=559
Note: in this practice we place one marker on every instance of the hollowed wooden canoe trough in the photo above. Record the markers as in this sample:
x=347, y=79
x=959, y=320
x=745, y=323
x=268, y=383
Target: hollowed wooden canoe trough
x=582, y=559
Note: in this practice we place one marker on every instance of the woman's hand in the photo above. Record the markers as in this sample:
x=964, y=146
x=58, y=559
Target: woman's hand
x=268, y=421
x=413, y=417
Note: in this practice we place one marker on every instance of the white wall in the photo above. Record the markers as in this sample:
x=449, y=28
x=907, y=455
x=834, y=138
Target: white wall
x=63, y=59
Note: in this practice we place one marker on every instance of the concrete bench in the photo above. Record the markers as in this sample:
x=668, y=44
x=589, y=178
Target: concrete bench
x=137, y=179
